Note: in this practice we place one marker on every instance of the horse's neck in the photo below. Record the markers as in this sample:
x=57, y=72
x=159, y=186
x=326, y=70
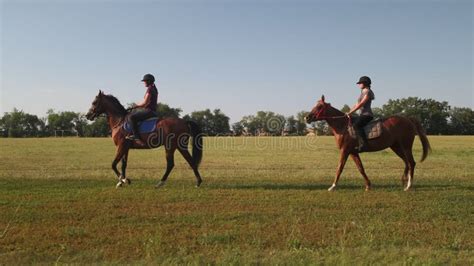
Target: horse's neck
x=114, y=119
x=338, y=124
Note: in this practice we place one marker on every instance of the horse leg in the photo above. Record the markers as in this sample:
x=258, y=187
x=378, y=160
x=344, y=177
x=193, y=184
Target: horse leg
x=122, y=149
x=360, y=166
x=169, y=166
x=399, y=151
x=124, y=169
x=411, y=166
x=340, y=167
x=187, y=156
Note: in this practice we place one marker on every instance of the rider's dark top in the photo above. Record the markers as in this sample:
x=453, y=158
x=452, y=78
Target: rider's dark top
x=153, y=102
x=366, y=109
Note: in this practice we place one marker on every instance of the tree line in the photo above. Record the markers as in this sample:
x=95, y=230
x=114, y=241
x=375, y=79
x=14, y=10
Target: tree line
x=438, y=118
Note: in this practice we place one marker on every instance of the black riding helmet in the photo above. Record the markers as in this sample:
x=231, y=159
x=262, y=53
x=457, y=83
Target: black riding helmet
x=365, y=80
x=148, y=78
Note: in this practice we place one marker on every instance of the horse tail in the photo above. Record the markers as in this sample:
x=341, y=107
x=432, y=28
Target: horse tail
x=423, y=138
x=197, y=142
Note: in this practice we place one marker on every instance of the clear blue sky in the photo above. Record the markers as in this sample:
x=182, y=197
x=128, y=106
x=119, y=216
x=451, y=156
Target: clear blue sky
x=240, y=56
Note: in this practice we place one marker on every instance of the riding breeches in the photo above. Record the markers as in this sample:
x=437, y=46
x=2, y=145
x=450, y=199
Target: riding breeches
x=138, y=116
x=360, y=123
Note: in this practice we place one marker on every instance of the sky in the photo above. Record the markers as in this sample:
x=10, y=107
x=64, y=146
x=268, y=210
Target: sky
x=240, y=56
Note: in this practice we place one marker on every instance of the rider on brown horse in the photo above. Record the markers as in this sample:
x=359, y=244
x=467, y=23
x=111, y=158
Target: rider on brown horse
x=145, y=109
x=364, y=105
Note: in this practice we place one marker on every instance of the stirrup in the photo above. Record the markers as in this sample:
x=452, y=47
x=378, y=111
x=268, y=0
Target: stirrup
x=132, y=137
x=362, y=145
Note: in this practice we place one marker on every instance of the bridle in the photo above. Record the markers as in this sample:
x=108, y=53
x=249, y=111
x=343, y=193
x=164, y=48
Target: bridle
x=119, y=123
x=321, y=114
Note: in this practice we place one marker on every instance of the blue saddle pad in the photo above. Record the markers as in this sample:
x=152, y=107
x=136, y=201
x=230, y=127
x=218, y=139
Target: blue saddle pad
x=146, y=126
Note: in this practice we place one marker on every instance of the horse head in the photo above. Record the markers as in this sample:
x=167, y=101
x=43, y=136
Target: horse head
x=97, y=107
x=105, y=104
x=318, y=112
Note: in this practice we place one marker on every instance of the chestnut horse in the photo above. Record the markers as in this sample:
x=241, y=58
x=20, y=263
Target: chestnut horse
x=172, y=133
x=398, y=133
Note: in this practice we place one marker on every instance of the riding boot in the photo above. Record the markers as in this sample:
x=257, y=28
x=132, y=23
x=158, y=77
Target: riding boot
x=363, y=142
x=137, y=140
x=135, y=134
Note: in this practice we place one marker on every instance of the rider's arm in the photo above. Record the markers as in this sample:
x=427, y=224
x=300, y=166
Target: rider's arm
x=359, y=105
x=145, y=101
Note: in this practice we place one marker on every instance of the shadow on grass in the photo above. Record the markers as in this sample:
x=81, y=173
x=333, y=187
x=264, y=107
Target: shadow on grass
x=75, y=184
x=276, y=186
x=354, y=187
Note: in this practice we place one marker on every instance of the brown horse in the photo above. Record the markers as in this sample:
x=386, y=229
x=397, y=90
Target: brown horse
x=398, y=133
x=172, y=133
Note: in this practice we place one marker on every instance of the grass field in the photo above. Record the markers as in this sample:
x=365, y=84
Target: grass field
x=263, y=200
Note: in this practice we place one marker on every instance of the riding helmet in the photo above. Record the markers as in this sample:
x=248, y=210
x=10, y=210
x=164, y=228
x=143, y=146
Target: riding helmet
x=365, y=80
x=149, y=78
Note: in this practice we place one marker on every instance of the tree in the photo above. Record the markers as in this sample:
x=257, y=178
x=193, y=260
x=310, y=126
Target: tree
x=80, y=124
x=238, y=129
x=290, y=126
x=264, y=123
x=20, y=124
x=301, y=123
x=378, y=112
x=62, y=121
x=98, y=128
x=212, y=123
x=432, y=114
x=163, y=110
x=346, y=108
x=461, y=121
x=321, y=128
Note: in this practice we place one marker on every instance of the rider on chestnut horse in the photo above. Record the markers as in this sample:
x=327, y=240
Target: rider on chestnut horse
x=398, y=133
x=364, y=105
x=173, y=134
x=144, y=110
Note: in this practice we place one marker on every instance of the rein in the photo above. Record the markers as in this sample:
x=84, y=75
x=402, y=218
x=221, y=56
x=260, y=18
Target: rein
x=119, y=123
x=321, y=114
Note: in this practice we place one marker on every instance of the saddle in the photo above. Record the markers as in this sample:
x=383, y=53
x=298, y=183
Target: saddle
x=372, y=130
x=145, y=126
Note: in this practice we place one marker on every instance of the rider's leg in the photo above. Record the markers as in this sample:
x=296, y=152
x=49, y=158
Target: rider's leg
x=359, y=125
x=136, y=118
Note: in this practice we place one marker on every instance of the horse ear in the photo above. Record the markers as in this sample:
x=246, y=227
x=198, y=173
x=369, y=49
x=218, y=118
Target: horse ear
x=322, y=98
x=100, y=92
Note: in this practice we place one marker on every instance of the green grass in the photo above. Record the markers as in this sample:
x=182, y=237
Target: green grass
x=263, y=200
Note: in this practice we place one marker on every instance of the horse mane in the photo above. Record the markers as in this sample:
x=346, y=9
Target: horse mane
x=337, y=111
x=115, y=102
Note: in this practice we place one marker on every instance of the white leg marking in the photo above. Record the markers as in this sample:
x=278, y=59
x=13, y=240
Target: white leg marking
x=332, y=187
x=160, y=184
x=409, y=182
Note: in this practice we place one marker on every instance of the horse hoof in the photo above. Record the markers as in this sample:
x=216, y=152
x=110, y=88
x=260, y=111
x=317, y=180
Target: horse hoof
x=332, y=188
x=128, y=181
x=119, y=184
x=198, y=184
x=406, y=189
x=367, y=189
x=160, y=184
